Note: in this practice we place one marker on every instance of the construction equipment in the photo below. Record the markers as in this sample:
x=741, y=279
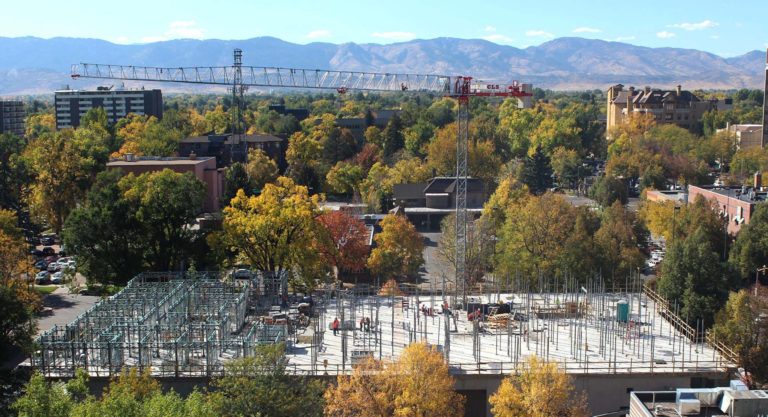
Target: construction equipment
x=239, y=78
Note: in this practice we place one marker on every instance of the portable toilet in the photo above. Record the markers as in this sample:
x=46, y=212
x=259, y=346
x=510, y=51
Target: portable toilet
x=622, y=311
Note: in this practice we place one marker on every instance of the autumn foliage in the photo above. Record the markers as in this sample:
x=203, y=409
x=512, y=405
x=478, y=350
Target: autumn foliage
x=417, y=384
x=541, y=390
x=344, y=244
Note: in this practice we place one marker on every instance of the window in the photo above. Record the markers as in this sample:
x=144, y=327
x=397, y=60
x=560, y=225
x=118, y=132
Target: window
x=668, y=116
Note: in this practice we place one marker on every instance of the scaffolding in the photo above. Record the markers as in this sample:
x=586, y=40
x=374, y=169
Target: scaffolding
x=178, y=324
x=183, y=325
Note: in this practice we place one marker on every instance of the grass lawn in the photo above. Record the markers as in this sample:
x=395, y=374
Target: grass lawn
x=45, y=289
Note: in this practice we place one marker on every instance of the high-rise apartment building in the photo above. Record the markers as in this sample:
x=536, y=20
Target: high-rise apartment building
x=71, y=105
x=12, y=117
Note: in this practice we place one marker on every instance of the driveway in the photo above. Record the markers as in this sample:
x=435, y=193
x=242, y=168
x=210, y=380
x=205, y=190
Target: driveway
x=62, y=308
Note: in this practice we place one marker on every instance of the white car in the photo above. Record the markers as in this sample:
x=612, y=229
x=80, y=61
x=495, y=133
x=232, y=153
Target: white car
x=57, y=278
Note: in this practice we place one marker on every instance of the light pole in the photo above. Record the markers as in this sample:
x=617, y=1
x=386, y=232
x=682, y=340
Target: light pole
x=757, y=276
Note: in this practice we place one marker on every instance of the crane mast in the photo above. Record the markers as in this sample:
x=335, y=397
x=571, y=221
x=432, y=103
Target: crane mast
x=239, y=78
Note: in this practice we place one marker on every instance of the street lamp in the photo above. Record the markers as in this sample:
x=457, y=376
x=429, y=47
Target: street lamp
x=757, y=276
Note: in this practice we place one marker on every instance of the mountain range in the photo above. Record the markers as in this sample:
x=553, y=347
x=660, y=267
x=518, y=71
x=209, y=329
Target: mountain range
x=30, y=65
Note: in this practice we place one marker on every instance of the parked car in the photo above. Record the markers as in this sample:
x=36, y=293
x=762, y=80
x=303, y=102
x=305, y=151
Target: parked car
x=42, y=264
x=48, y=240
x=48, y=251
x=57, y=278
x=42, y=277
x=36, y=253
x=54, y=266
x=241, y=274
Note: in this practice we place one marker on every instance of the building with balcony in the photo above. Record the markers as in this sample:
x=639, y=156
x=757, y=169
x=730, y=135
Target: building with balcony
x=12, y=117
x=71, y=105
x=736, y=204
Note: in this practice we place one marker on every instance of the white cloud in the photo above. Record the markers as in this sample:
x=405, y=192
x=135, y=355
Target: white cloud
x=123, y=40
x=490, y=28
x=185, y=29
x=395, y=36
x=706, y=24
x=180, y=29
x=585, y=29
x=624, y=38
x=539, y=33
x=498, y=38
x=714, y=36
x=320, y=33
x=665, y=35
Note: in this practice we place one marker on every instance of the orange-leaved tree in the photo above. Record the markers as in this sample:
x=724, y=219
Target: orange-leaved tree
x=344, y=242
x=418, y=384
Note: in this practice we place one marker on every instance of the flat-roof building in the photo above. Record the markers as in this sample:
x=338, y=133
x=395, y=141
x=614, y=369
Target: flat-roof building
x=203, y=168
x=735, y=400
x=71, y=105
x=747, y=135
x=736, y=204
x=12, y=117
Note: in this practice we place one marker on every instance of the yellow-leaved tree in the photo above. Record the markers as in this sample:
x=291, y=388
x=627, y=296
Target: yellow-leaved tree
x=399, y=250
x=275, y=229
x=541, y=390
x=418, y=384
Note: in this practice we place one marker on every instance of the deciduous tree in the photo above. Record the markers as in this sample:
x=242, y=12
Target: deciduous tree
x=343, y=242
x=272, y=230
x=417, y=384
x=261, y=169
x=399, y=249
x=541, y=390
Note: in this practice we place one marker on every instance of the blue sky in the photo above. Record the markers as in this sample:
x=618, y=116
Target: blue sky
x=727, y=28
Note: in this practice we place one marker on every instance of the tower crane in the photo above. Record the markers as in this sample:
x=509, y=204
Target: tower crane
x=239, y=78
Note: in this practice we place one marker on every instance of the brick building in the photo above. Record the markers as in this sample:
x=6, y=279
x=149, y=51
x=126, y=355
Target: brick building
x=204, y=169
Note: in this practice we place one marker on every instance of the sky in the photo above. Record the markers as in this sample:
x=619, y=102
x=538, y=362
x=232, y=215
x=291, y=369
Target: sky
x=724, y=27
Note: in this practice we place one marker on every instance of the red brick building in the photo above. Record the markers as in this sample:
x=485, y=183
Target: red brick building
x=204, y=168
x=737, y=203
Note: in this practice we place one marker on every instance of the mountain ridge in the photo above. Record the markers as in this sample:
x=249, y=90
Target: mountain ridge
x=567, y=63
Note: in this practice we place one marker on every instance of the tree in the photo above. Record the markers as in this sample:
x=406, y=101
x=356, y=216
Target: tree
x=392, y=136
x=739, y=325
x=42, y=398
x=261, y=169
x=399, y=250
x=566, y=164
x=617, y=243
x=339, y=146
x=260, y=386
x=750, y=250
x=441, y=112
x=105, y=234
x=541, y=390
x=480, y=246
x=369, y=155
x=693, y=276
x=481, y=156
x=17, y=322
x=166, y=205
x=38, y=124
x=417, y=384
x=608, y=189
x=60, y=178
x=344, y=242
x=272, y=229
x=417, y=137
x=344, y=178
x=13, y=170
x=537, y=172
x=534, y=236
x=235, y=178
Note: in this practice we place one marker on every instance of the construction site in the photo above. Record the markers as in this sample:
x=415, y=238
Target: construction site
x=187, y=325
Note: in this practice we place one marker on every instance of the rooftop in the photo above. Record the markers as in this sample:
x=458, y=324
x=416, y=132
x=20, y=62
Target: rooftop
x=746, y=194
x=158, y=161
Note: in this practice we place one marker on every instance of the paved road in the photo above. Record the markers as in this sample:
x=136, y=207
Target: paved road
x=64, y=308
x=435, y=267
